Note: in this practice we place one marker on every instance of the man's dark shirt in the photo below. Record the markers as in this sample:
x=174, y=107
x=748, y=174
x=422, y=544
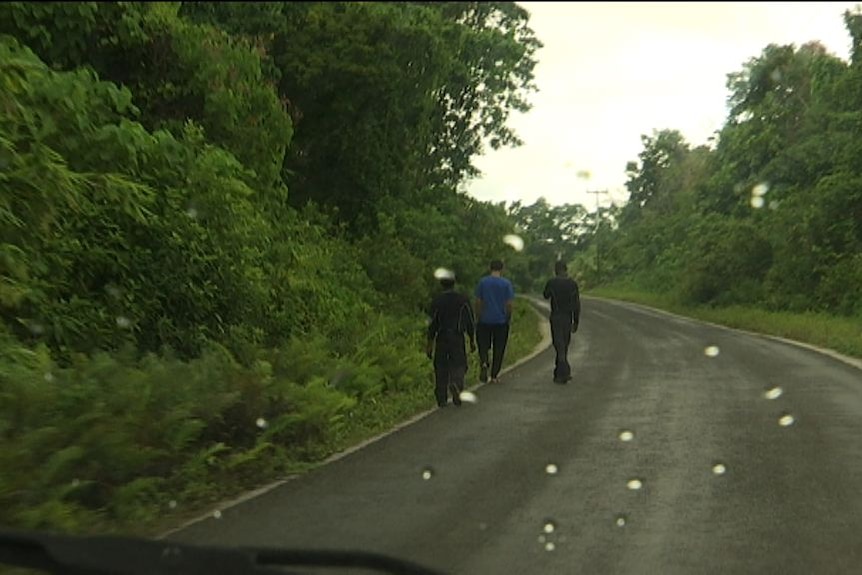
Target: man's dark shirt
x=451, y=314
x=565, y=298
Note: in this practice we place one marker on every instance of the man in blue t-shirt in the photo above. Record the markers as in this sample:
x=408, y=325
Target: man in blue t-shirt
x=494, y=297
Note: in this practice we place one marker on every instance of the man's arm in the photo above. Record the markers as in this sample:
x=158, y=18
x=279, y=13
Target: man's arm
x=576, y=306
x=469, y=323
x=433, y=328
x=510, y=299
x=547, y=292
x=479, y=302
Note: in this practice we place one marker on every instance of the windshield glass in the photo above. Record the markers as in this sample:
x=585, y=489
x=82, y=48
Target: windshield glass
x=483, y=287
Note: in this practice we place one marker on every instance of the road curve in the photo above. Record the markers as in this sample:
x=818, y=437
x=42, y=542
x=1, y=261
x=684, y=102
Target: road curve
x=741, y=455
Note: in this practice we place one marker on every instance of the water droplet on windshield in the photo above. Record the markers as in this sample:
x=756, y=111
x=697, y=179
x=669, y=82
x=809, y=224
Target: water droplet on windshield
x=549, y=526
x=549, y=546
x=634, y=484
x=542, y=538
x=551, y=469
x=172, y=504
x=192, y=213
x=773, y=393
x=775, y=75
x=514, y=241
x=719, y=469
x=712, y=351
x=483, y=526
x=443, y=274
x=621, y=521
x=468, y=396
x=217, y=514
x=757, y=202
x=172, y=551
x=36, y=328
x=114, y=292
x=786, y=420
x=261, y=423
x=427, y=473
x=760, y=190
x=76, y=482
x=123, y=322
x=49, y=377
x=626, y=435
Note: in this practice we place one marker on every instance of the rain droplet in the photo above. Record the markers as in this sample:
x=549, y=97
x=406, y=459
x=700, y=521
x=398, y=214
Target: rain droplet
x=261, y=423
x=549, y=546
x=719, y=469
x=760, y=190
x=36, y=328
x=549, y=526
x=444, y=274
x=172, y=504
x=551, y=469
x=621, y=521
x=634, y=484
x=49, y=377
x=123, y=322
x=773, y=393
x=786, y=420
x=542, y=538
x=711, y=351
x=192, y=213
x=427, y=473
x=775, y=75
x=757, y=202
x=514, y=241
x=76, y=482
x=171, y=552
x=483, y=526
x=468, y=396
x=217, y=514
x=626, y=435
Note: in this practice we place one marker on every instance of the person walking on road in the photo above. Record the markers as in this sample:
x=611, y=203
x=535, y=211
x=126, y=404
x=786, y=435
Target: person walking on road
x=451, y=319
x=565, y=316
x=494, y=298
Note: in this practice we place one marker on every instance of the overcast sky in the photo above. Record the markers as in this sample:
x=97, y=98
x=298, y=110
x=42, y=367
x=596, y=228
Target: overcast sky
x=609, y=72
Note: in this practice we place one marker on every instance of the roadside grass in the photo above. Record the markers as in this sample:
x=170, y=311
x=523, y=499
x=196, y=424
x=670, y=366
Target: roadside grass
x=840, y=334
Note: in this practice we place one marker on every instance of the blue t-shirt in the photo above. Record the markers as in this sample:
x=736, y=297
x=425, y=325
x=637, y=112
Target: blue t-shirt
x=494, y=293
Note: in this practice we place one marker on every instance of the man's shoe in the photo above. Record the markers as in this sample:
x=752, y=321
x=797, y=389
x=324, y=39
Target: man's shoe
x=483, y=373
x=456, y=396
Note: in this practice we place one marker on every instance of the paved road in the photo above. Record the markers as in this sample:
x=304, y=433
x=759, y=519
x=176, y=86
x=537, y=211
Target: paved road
x=789, y=499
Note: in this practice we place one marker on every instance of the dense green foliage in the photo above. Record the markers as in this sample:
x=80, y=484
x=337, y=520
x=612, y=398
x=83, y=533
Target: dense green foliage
x=769, y=216
x=219, y=223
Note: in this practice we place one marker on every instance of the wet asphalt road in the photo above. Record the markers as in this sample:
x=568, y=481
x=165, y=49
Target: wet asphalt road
x=789, y=500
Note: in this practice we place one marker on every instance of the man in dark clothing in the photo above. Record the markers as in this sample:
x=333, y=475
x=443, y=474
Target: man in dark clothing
x=494, y=297
x=565, y=316
x=451, y=318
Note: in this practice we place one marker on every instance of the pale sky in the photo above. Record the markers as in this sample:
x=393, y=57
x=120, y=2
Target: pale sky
x=609, y=72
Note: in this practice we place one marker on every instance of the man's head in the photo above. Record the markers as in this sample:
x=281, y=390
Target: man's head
x=496, y=266
x=447, y=283
x=445, y=277
x=560, y=268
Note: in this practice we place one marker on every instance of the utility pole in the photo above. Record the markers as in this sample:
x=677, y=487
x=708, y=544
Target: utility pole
x=598, y=220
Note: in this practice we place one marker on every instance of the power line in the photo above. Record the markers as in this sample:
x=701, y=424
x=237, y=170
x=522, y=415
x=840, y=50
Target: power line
x=598, y=221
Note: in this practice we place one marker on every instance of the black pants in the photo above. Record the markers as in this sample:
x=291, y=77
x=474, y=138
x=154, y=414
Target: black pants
x=561, y=336
x=450, y=366
x=496, y=335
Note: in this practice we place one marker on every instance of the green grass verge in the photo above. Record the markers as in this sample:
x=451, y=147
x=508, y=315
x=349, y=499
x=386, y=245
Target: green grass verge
x=840, y=334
